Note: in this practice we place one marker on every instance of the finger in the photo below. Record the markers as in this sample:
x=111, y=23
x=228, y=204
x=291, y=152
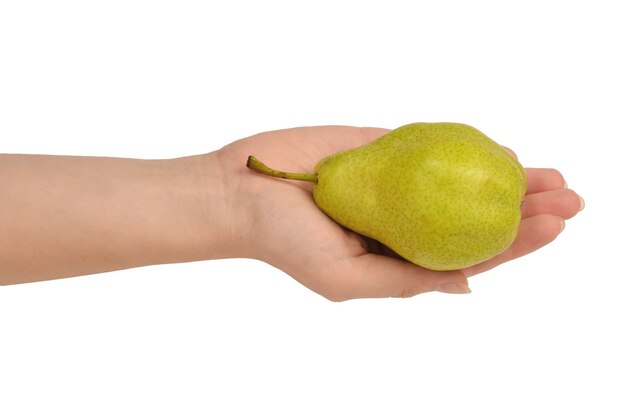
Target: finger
x=378, y=276
x=370, y=134
x=543, y=179
x=534, y=233
x=563, y=203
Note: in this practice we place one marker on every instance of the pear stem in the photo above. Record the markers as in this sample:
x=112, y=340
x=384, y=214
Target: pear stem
x=255, y=165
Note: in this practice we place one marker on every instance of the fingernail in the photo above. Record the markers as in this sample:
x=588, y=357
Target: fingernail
x=454, y=287
x=565, y=184
x=582, y=204
x=562, y=225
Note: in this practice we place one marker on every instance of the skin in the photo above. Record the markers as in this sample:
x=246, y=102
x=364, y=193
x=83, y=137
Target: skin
x=71, y=216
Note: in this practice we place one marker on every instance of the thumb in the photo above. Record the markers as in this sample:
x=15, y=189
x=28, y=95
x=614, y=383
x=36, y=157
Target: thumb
x=378, y=276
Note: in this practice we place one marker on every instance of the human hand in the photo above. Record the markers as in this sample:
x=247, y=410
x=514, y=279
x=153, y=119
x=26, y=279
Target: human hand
x=282, y=226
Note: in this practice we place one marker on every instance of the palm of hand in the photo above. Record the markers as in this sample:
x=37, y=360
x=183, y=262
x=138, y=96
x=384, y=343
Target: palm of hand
x=292, y=234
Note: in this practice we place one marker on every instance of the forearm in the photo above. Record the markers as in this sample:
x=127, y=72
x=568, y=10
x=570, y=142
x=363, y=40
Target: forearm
x=67, y=216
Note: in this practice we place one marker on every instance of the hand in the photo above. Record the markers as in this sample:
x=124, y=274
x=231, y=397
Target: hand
x=283, y=227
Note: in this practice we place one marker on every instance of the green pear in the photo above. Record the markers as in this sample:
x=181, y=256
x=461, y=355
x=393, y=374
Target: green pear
x=441, y=195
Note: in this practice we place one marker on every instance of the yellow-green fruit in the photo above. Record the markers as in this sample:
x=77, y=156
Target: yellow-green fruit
x=442, y=195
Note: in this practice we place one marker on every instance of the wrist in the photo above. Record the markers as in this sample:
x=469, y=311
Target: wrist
x=217, y=191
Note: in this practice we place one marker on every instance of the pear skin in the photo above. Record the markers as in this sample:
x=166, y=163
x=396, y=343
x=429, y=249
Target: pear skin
x=442, y=195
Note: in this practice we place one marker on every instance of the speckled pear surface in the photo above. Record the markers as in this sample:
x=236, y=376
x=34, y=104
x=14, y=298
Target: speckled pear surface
x=442, y=195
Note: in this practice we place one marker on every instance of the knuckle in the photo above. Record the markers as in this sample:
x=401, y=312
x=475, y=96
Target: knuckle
x=557, y=177
x=335, y=294
x=409, y=292
x=336, y=285
x=335, y=298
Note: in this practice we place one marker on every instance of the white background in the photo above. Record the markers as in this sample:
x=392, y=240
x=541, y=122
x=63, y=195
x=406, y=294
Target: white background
x=540, y=336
